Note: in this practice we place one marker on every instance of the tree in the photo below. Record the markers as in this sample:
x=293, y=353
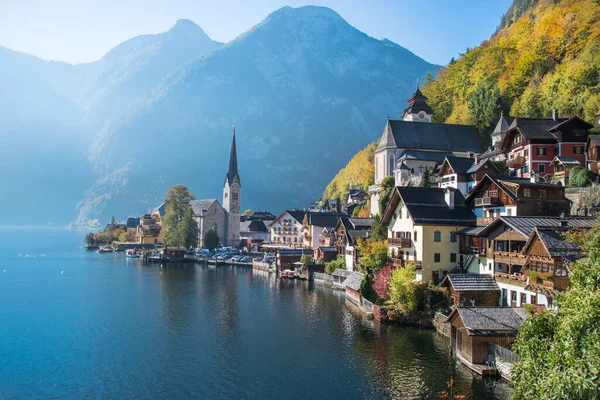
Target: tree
x=426, y=178
x=248, y=212
x=378, y=231
x=484, y=106
x=373, y=253
x=179, y=227
x=337, y=263
x=211, y=240
x=581, y=177
x=387, y=187
x=366, y=288
x=123, y=237
x=382, y=281
x=307, y=259
x=560, y=351
x=404, y=289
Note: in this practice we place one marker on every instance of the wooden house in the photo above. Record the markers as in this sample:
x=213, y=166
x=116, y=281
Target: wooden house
x=347, y=231
x=592, y=151
x=471, y=290
x=339, y=278
x=325, y=253
x=562, y=166
x=474, y=328
x=352, y=283
x=463, y=173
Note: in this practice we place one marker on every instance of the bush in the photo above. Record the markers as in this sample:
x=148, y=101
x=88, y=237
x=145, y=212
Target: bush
x=307, y=259
x=404, y=291
x=382, y=282
x=338, y=263
x=581, y=177
x=366, y=288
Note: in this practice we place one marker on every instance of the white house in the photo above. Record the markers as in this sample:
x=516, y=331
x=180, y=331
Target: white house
x=286, y=229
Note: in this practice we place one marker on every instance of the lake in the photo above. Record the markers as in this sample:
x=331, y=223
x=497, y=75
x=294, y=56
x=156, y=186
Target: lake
x=77, y=324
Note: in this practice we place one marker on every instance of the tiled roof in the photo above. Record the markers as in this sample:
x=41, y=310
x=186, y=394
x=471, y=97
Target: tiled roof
x=566, y=160
x=293, y=252
x=298, y=215
x=491, y=320
x=526, y=225
x=535, y=128
x=341, y=272
x=328, y=249
x=502, y=125
x=430, y=136
x=460, y=165
x=468, y=282
x=132, y=222
x=253, y=226
x=324, y=219
x=354, y=280
x=199, y=206
x=476, y=166
x=471, y=230
x=351, y=236
x=557, y=246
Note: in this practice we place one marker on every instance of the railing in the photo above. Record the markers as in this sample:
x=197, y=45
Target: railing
x=503, y=353
x=396, y=262
x=400, y=242
x=510, y=258
x=511, y=279
x=485, y=221
x=516, y=162
x=486, y=201
x=556, y=283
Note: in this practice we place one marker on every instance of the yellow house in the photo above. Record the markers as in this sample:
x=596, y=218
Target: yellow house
x=422, y=225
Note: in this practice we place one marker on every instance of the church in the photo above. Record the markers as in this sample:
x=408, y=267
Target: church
x=413, y=143
x=225, y=220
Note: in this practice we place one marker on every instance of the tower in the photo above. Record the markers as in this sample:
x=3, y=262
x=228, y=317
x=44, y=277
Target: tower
x=231, y=198
x=418, y=110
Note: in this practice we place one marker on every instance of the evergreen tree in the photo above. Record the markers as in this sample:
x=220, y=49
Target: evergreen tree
x=211, y=240
x=426, y=178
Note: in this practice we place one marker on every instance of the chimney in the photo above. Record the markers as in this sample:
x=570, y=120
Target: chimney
x=477, y=159
x=449, y=197
x=555, y=114
x=533, y=177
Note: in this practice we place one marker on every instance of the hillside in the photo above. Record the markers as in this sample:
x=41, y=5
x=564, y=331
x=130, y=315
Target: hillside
x=546, y=54
x=359, y=171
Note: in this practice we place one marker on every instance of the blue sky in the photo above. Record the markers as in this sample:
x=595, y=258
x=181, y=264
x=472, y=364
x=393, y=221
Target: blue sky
x=81, y=31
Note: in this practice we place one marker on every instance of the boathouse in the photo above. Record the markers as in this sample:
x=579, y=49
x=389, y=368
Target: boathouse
x=352, y=283
x=471, y=290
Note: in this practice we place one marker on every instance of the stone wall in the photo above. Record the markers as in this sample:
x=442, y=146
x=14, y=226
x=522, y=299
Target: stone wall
x=440, y=326
x=575, y=195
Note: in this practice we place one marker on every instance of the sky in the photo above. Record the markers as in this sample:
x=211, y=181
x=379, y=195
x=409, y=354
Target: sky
x=79, y=31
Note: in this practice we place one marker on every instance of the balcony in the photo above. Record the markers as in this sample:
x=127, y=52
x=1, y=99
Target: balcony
x=400, y=242
x=516, y=162
x=395, y=262
x=511, y=279
x=555, y=283
x=485, y=221
x=512, y=258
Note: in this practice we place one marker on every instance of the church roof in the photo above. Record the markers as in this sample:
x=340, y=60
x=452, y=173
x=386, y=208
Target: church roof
x=198, y=206
x=232, y=172
x=417, y=103
x=430, y=136
x=502, y=125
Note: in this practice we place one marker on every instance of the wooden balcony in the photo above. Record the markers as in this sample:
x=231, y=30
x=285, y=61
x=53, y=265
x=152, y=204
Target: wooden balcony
x=486, y=201
x=556, y=283
x=516, y=162
x=509, y=258
x=511, y=279
x=403, y=243
x=395, y=262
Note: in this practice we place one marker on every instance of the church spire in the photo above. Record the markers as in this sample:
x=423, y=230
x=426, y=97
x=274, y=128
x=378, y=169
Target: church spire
x=232, y=173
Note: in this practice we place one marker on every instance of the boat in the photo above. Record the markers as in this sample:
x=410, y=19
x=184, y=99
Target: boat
x=106, y=249
x=288, y=274
x=131, y=253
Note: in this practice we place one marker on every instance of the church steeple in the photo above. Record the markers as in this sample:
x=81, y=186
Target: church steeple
x=418, y=110
x=232, y=173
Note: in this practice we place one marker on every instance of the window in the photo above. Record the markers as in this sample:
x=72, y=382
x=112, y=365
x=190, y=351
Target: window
x=437, y=236
x=408, y=234
x=541, y=151
x=526, y=153
x=489, y=266
x=543, y=193
x=234, y=196
x=523, y=298
x=504, y=298
x=513, y=296
x=541, y=168
x=452, y=257
x=453, y=236
x=524, y=169
x=436, y=257
x=578, y=150
x=527, y=192
x=415, y=236
x=533, y=298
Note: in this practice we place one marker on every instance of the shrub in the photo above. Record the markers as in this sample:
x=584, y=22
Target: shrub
x=382, y=282
x=404, y=291
x=366, y=288
x=338, y=263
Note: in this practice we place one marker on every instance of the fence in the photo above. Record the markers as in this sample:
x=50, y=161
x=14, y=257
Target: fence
x=503, y=353
x=367, y=305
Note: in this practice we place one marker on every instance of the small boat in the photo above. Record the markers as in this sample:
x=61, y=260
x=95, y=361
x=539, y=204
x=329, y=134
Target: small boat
x=106, y=249
x=131, y=253
x=288, y=274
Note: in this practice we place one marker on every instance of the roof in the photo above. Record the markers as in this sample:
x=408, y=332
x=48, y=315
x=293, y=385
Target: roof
x=161, y=209
x=328, y=249
x=555, y=243
x=416, y=103
x=535, y=128
x=526, y=225
x=460, y=165
x=324, y=219
x=133, y=222
x=484, y=321
x=341, y=273
x=253, y=226
x=476, y=166
x=428, y=206
x=471, y=230
x=565, y=160
x=232, y=172
x=570, y=121
x=297, y=215
x=502, y=125
x=430, y=136
x=507, y=185
x=354, y=280
x=356, y=192
x=293, y=252
x=351, y=236
x=261, y=215
x=471, y=282
x=201, y=206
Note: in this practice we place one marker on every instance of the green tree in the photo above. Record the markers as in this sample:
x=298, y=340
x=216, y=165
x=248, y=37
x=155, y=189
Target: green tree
x=211, y=240
x=373, y=253
x=560, y=351
x=307, y=259
x=426, y=178
x=387, y=188
x=366, y=288
x=337, y=263
x=378, y=231
x=248, y=212
x=179, y=227
x=404, y=290
x=484, y=106
x=123, y=237
x=581, y=177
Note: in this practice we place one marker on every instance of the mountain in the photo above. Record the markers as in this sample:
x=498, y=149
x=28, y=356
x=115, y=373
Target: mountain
x=305, y=90
x=544, y=55
x=51, y=111
x=359, y=171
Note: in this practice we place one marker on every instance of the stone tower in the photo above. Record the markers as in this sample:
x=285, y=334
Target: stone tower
x=231, y=198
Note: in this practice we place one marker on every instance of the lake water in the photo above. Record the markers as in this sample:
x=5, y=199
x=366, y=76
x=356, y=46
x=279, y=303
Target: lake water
x=107, y=327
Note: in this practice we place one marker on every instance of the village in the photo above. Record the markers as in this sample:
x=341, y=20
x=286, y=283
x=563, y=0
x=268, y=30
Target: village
x=470, y=242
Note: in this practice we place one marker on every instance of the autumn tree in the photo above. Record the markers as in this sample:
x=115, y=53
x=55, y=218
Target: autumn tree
x=179, y=227
x=372, y=253
x=248, y=212
x=403, y=289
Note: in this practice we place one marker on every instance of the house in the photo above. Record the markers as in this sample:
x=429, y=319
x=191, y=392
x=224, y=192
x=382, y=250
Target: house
x=159, y=211
x=132, y=224
x=325, y=253
x=592, y=151
x=253, y=233
x=472, y=251
x=494, y=152
x=532, y=143
x=287, y=229
x=148, y=230
x=463, y=173
x=471, y=290
x=493, y=197
x=422, y=228
x=259, y=216
x=562, y=166
x=474, y=328
x=313, y=228
x=352, y=284
x=414, y=143
x=506, y=238
x=334, y=205
x=357, y=196
x=347, y=230
x=287, y=257
x=339, y=278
